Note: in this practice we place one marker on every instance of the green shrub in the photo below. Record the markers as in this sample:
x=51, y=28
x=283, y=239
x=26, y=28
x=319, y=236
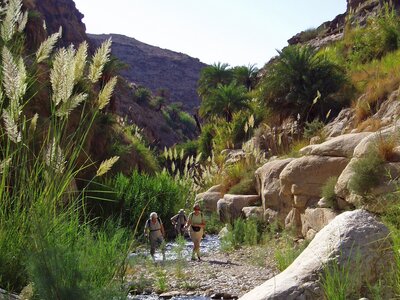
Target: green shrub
x=368, y=172
x=328, y=191
x=140, y=194
x=241, y=233
x=74, y=261
x=246, y=184
x=293, y=82
x=287, y=251
x=214, y=225
x=380, y=36
x=341, y=281
x=313, y=128
x=143, y=95
x=206, y=139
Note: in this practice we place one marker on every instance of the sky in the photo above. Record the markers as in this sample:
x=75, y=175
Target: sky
x=237, y=32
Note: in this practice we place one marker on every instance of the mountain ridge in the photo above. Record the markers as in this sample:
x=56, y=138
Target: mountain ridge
x=148, y=66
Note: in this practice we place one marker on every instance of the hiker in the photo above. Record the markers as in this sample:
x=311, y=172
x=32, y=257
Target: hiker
x=179, y=222
x=197, y=223
x=154, y=230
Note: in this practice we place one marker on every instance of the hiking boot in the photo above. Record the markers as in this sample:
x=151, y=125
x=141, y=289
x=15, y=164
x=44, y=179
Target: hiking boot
x=198, y=258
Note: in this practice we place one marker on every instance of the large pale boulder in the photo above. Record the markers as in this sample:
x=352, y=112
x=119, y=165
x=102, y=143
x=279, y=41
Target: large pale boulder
x=230, y=207
x=389, y=110
x=314, y=219
x=306, y=175
x=354, y=239
x=216, y=188
x=208, y=200
x=342, y=184
x=254, y=213
x=340, y=146
x=373, y=139
x=341, y=124
x=268, y=183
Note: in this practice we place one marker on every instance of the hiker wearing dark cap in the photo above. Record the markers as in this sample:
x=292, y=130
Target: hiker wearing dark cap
x=154, y=230
x=196, y=224
x=179, y=222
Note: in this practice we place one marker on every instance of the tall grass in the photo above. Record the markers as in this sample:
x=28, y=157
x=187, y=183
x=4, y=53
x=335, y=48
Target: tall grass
x=47, y=238
x=241, y=233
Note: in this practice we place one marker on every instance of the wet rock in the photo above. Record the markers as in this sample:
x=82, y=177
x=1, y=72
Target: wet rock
x=169, y=295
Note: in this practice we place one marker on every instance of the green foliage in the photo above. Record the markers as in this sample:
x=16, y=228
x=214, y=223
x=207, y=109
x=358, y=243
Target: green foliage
x=380, y=36
x=73, y=261
x=245, y=76
x=368, y=172
x=292, y=84
x=246, y=184
x=212, y=76
x=46, y=236
x=223, y=101
x=340, y=280
x=206, y=139
x=214, y=225
x=140, y=194
x=241, y=233
x=287, y=251
x=142, y=95
x=180, y=120
x=313, y=128
x=328, y=191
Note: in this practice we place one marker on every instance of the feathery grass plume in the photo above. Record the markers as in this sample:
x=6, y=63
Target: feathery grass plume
x=62, y=75
x=33, y=124
x=65, y=109
x=106, y=93
x=44, y=25
x=55, y=158
x=106, y=165
x=100, y=58
x=14, y=80
x=11, y=127
x=47, y=46
x=80, y=60
x=4, y=164
x=22, y=21
x=8, y=26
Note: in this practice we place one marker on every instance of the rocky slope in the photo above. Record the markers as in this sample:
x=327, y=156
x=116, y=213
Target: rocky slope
x=157, y=68
x=60, y=13
x=153, y=67
x=357, y=12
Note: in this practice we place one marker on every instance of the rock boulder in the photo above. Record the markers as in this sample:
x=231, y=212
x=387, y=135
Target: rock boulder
x=353, y=239
x=230, y=207
x=208, y=200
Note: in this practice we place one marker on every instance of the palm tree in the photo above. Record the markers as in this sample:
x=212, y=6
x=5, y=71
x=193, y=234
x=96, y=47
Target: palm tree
x=211, y=76
x=246, y=76
x=293, y=82
x=224, y=101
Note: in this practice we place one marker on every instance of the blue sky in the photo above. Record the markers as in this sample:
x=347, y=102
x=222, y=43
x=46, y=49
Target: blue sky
x=237, y=32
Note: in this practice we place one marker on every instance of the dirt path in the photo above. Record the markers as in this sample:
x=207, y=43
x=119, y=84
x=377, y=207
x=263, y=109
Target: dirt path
x=234, y=273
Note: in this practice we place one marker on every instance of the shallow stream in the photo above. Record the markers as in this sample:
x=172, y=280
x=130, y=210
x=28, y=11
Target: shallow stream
x=209, y=244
